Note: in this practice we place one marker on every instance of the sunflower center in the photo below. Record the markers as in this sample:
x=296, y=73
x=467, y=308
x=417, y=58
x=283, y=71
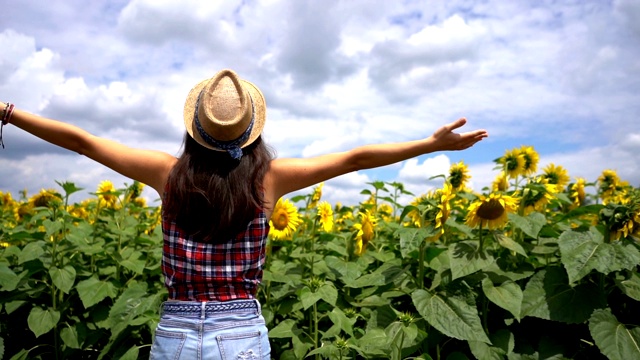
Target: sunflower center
x=490, y=210
x=456, y=179
x=512, y=163
x=552, y=178
x=527, y=161
x=281, y=221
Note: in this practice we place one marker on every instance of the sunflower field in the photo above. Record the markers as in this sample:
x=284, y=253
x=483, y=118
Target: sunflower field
x=538, y=266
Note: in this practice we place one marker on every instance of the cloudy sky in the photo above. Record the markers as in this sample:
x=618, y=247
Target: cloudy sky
x=561, y=76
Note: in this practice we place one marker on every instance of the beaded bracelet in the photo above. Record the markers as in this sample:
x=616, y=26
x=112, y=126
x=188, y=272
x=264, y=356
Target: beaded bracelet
x=6, y=117
x=6, y=114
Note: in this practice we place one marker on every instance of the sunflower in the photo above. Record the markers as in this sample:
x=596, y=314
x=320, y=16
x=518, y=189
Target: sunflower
x=537, y=194
x=6, y=200
x=500, y=183
x=577, y=192
x=78, y=211
x=386, y=212
x=315, y=197
x=491, y=211
x=284, y=220
x=557, y=176
x=611, y=189
x=366, y=230
x=45, y=198
x=531, y=159
x=135, y=190
x=325, y=216
x=106, y=194
x=21, y=210
x=444, y=196
x=458, y=176
x=434, y=209
x=513, y=163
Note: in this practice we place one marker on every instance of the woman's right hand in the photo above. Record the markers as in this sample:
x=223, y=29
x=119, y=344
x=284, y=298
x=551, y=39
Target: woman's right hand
x=445, y=139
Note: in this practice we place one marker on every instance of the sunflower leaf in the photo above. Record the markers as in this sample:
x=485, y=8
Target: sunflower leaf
x=631, y=286
x=530, y=224
x=615, y=341
x=549, y=296
x=465, y=258
x=453, y=315
x=582, y=252
x=507, y=295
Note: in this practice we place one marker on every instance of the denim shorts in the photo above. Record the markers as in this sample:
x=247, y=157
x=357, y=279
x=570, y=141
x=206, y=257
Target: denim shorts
x=211, y=330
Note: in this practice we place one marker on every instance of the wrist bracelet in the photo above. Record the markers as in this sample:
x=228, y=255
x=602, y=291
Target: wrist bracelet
x=6, y=114
x=6, y=117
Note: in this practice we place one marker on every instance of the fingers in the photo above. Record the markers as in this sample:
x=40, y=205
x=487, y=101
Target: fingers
x=456, y=124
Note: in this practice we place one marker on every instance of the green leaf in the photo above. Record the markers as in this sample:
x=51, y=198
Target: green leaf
x=307, y=297
x=348, y=270
x=484, y=351
x=342, y=321
x=509, y=243
x=328, y=293
x=407, y=209
x=615, y=341
x=69, y=336
x=21, y=355
x=463, y=228
x=93, y=290
x=8, y=279
x=52, y=226
x=63, y=278
x=133, y=262
x=465, y=258
x=12, y=306
x=327, y=351
x=452, y=315
x=300, y=346
x=69, y=187
x=582, y=252
x=549, y=296
x=130, y=304
x=631, y=286
x=376, y=279
x=285, y=329
x=374, y=342
x=530, y=224
x=504, y=340
x=131, y=354
x=507, y=295
x=410, y=240
x=33, y=250
x=42, y=321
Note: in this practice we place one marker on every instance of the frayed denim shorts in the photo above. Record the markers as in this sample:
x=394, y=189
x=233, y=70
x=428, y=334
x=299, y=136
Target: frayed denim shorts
x=229, y=330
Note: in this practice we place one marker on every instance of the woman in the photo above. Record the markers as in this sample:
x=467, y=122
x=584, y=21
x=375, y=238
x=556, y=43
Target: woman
x=217, y=199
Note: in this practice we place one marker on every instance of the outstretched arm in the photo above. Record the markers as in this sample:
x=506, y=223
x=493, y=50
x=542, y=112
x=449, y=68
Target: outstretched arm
x=149, y=167
x=287, y=175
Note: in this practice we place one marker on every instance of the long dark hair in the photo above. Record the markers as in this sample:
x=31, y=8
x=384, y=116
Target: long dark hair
x=212, y=196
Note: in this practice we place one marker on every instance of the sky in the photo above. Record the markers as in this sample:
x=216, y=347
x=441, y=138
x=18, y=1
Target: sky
x=561, y=76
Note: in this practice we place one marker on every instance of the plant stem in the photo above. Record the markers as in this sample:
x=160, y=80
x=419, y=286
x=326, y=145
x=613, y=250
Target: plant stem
x=315, y=327
x=480, y=239
x=423, y=249
x=485, y=315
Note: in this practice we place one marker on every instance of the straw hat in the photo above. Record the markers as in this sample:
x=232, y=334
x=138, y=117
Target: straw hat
x=225, y=113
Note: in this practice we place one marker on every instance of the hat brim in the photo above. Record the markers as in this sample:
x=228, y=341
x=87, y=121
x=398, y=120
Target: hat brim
x=259, y=108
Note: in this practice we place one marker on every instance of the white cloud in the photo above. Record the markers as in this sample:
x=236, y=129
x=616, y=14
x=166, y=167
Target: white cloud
x=335, y=75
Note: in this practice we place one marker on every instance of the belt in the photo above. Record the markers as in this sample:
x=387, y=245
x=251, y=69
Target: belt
x=208, y=308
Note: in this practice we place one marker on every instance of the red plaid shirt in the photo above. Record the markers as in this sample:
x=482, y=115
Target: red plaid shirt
x=228, y=270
